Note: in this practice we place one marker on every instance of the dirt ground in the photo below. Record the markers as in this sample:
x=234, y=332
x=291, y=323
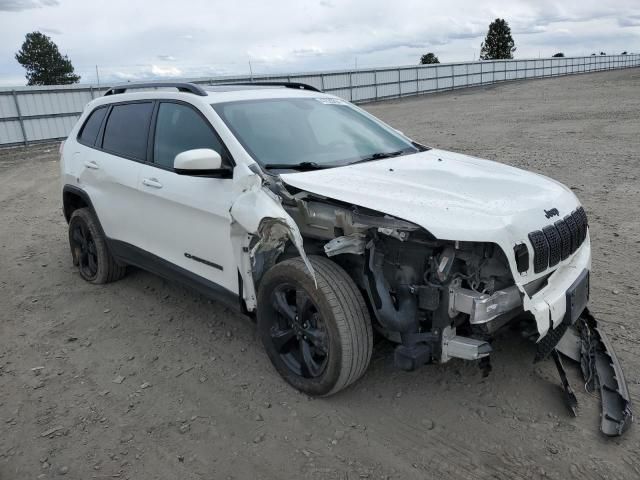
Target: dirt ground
x=198, y=398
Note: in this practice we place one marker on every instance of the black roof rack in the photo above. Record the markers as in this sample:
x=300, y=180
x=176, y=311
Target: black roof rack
x=181, y=86
x=296, y=85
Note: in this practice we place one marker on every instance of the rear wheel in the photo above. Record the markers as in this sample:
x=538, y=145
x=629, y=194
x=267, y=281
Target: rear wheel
x=319, y=339
x=89, y=249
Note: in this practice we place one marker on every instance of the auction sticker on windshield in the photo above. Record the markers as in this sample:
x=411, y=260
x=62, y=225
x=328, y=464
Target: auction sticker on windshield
x=331, y=101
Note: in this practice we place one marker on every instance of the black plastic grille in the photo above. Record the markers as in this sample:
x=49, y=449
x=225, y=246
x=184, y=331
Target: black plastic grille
x=582, y=220
x=555, y=244
x=573, y=228
x=582, y=228
x=565, y=238
x=540, y=251
x=558, y=241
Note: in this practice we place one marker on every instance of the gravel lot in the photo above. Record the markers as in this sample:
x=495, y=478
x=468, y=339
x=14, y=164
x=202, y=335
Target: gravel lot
x=198, y=398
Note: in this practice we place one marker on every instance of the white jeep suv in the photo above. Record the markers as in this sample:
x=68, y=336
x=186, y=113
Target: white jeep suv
x=305, y=211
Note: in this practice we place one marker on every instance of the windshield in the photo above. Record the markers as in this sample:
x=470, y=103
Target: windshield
x=321, y=132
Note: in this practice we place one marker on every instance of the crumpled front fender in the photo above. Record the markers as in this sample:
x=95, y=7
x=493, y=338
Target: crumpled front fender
x=259, y=224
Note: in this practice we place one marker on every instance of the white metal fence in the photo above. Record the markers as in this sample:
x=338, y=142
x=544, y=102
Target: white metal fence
x=38, y=114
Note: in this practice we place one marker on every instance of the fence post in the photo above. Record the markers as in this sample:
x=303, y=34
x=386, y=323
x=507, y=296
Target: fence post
x=437, y=79
x=375, y=82
x=322, y=82
x=351, y=86
x=453, y=78
x=399, y=85
x=24, y=133
x=417, y=81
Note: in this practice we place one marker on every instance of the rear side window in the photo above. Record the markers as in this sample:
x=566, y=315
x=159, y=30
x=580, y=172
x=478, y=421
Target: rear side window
x=89, y=132
x=180, y=128
x=127, y=130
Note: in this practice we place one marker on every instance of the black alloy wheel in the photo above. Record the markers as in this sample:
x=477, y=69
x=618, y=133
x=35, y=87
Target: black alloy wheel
x=299, y=334
x=84, y=250
x=89, y=249
x=315, y=328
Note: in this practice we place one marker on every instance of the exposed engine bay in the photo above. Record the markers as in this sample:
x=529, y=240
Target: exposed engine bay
x=422, y=291
x=436, y=299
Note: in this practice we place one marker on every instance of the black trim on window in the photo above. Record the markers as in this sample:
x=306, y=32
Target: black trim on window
x=106, y=121
x=152, y=133
x=225, y=172
x=79, y=136
x=100, y=139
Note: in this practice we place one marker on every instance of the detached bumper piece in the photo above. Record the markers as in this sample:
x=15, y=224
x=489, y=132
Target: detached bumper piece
x=587, y=344
x=601, y=369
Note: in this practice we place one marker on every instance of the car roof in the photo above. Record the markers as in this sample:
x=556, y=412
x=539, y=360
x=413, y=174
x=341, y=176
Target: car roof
x=209, y=94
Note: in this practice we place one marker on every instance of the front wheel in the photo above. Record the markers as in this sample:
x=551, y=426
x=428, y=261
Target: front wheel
x=319, y=339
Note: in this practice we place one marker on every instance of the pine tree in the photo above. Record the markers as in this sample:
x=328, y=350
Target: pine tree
x=499, y=43
x=45, y=65
x=429, y=58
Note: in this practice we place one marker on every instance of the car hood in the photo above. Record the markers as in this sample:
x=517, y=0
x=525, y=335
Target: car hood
x=453, y=196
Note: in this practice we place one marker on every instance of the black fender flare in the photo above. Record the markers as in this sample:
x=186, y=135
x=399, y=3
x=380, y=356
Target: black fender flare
x=72, y=190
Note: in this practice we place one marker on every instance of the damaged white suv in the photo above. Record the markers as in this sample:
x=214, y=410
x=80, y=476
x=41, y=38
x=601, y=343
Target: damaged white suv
x=326, y=224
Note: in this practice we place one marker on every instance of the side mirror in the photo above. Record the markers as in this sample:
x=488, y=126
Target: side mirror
x=200, y=161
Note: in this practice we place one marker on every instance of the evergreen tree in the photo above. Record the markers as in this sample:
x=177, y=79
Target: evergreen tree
x=45, y=65
x=429, y=58
x=498, y=43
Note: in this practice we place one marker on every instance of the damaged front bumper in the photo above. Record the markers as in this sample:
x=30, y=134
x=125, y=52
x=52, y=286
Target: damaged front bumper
x=586, y=343
x=577, y=336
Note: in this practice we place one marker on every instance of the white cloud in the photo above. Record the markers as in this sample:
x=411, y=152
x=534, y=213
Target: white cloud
x=125, y=75
x=50, y=31
x=19, y=5
x=307, y=51
x=199, y=38
x=630, y=21
x=165, y=71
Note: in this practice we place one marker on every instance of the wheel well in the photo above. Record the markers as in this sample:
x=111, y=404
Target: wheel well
x=71, y=202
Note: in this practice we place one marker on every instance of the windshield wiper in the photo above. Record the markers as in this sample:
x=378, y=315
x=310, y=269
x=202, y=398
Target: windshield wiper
x=379, y=156
x=297, y=166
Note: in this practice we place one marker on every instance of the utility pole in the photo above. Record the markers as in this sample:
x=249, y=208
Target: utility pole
x=98, y=76
x=250, y=71
x=356, y=63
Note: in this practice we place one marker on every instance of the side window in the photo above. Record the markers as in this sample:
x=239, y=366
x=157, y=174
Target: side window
x=127, y=130
x=89, y=132
x=180, y=128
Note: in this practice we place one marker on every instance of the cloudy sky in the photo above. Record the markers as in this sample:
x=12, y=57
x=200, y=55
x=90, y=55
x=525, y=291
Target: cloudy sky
x=129, y=39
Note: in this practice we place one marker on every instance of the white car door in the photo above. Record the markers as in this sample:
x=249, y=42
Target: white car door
x=187, y=220
x=110, y=165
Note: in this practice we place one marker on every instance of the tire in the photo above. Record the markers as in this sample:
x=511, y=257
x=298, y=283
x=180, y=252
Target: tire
x=334, y=324
x=89, y=249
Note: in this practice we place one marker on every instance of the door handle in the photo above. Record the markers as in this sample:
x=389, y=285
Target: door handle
x=151, y=182
x=92, y=165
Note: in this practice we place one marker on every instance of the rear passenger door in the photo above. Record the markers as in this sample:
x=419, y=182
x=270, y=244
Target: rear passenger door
x=187, y=221
x=112, y=166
